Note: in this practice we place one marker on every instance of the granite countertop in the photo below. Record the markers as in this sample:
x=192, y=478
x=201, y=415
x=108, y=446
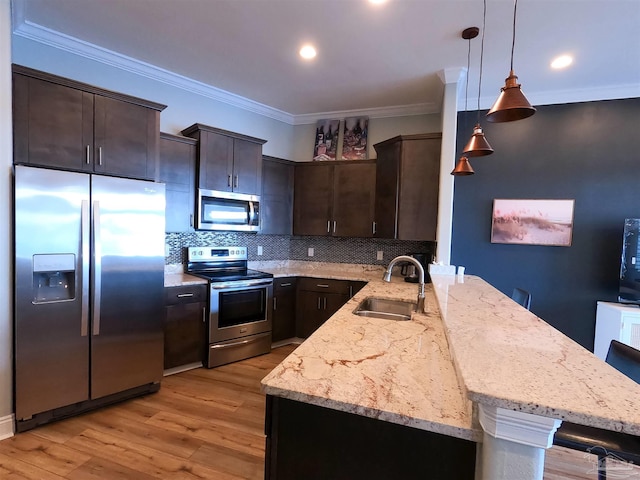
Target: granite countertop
x=508, y=357
x=474, y=345
x=396, y=371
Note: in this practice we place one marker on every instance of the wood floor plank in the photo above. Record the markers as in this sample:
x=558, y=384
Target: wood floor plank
x=14, y=469
x=202, y=424
x=52, y=457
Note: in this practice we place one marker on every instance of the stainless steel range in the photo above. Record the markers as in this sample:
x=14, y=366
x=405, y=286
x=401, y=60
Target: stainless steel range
x=239, y=300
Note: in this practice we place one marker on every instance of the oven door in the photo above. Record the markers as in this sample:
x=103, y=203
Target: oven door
x=239, y=309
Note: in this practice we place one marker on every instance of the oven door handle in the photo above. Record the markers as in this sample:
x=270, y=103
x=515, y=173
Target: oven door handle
x=242, y=284
x=234, y=344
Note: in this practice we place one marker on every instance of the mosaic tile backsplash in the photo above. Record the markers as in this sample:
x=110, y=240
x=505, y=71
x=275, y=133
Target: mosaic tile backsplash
x=284, y=247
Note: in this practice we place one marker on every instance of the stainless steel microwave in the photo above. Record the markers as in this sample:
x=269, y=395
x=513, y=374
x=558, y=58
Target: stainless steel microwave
x=227, y=211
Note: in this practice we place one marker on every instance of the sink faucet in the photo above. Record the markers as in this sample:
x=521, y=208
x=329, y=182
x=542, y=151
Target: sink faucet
x=406, y=258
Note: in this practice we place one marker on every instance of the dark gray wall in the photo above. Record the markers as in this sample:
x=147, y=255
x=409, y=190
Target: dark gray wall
x=583, y=151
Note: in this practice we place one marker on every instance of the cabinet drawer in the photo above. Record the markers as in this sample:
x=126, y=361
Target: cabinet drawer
x=185, y=294
x=323, y=285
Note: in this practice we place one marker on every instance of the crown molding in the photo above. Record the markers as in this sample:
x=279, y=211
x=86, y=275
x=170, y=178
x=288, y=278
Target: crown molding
x=52, y=38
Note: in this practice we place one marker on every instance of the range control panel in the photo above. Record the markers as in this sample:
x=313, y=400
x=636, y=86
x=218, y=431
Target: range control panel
x=208, y=254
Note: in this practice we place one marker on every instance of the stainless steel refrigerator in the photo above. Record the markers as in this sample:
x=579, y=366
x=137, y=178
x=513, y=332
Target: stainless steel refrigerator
x=89, y=279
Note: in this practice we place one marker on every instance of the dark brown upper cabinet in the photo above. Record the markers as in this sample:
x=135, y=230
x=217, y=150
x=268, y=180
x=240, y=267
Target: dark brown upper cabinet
x=61, y=123
x=227, y=161
x=335, y=199
x=407, y=185
x=178, y=172
x=276, y=200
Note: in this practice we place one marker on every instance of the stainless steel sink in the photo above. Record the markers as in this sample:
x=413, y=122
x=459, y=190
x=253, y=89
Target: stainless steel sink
x=385, y=309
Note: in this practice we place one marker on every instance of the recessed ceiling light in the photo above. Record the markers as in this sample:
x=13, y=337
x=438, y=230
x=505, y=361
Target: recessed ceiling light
x=308, y=52
x=562, y=61
x=377, y=2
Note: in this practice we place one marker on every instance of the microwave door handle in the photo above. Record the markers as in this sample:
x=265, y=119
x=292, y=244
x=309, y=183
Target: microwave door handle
x=252, y=213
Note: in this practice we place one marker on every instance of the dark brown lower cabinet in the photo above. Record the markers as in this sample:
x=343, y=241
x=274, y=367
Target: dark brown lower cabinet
x=317, y=443
x=284, y=308
x=185, y=325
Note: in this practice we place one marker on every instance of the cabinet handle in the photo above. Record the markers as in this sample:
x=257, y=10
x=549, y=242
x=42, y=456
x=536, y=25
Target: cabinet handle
x=191, y=220
x=325, y=303
x=322, y=285
x=319, y=298
x=334, y=226
x=328, y=226
x=374, y=228
x=100, y=156
x=228, y=180
x=88, y=154
x=185, y=295
x=204, y=314
x=235, y=182
x=350, y=291
x=275, y=304
x=285, y=284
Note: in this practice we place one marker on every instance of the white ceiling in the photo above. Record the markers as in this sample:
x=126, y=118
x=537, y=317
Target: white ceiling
x=370, y=58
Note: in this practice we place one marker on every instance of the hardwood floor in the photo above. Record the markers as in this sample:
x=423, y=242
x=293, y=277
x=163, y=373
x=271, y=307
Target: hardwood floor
x=202, y=424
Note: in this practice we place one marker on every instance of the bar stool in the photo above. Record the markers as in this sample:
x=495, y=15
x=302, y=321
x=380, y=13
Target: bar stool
x=605, y=443
x=522, y=297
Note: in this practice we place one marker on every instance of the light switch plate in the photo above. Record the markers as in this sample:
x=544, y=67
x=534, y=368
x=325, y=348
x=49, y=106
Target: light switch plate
x=379, y=255
x=259, y=249
x=310, y=252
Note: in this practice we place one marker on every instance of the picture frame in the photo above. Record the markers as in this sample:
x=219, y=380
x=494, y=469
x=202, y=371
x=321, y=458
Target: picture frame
x=532, y=222
x=354, y=140
x=326, y=142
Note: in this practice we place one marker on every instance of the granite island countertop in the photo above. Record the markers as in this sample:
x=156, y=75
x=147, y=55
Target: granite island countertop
x=474, y=346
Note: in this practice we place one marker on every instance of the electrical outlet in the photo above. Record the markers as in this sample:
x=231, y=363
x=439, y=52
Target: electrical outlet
x=167, y=249
x=310, y=252
x=379, y=255
x=259, y=249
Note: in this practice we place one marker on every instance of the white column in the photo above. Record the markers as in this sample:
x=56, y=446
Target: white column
x=451, y=78
x=514, y=443
x=6, y=234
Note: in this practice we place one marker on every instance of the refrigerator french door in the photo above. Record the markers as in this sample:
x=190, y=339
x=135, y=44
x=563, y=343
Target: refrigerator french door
x=89, y=279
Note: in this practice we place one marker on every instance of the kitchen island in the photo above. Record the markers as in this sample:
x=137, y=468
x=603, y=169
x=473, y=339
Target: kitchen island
x=476, y=368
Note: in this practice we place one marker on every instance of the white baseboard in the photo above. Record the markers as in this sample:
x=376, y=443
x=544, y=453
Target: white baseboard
x=6, y=427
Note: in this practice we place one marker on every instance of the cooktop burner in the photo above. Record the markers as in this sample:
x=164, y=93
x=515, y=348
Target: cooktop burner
x=221, y=264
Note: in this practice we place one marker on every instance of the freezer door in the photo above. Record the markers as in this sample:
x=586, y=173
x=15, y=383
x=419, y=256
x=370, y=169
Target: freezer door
x=128, y=282
x=51, y=289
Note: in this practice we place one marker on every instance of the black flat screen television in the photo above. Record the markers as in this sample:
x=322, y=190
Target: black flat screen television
x=630, y=263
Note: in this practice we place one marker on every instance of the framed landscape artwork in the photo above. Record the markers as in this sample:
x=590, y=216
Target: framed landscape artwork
x=354, y=143
x=532, y=222
x=327, y=132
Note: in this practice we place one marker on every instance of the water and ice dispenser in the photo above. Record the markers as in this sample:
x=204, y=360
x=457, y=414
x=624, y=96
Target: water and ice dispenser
x=54, y=277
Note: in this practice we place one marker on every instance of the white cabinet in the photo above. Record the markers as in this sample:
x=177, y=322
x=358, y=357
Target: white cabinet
x=616, y=321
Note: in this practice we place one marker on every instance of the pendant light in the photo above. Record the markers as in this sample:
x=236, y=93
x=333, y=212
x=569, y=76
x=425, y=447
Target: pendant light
x=478, y=145
x=511, y=104
x=463, y=167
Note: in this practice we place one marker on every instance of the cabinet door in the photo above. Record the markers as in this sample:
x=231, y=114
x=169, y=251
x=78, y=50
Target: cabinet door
x=247, y=167
x=284, y=308
x=313, y=199
x=215, y=162
x=126, y=139
x=276, y=200
x=184, y=334
x=309, y=313
x=386, y=209
x=354, y=200
x=419, y=185
x=331, y=303
x=177, y=171
x=53, y=124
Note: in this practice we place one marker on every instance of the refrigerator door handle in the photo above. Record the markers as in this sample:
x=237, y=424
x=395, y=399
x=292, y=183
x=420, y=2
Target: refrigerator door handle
x=84, y=246
x=97, y=268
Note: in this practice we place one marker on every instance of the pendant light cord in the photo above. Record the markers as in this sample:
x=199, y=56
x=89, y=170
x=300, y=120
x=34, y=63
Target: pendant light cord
x=484, y=18
x=513, y=39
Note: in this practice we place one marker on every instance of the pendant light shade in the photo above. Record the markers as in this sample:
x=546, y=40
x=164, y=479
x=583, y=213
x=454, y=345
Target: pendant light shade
x=477, y=145
x=463, y=167
x=511, y=105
